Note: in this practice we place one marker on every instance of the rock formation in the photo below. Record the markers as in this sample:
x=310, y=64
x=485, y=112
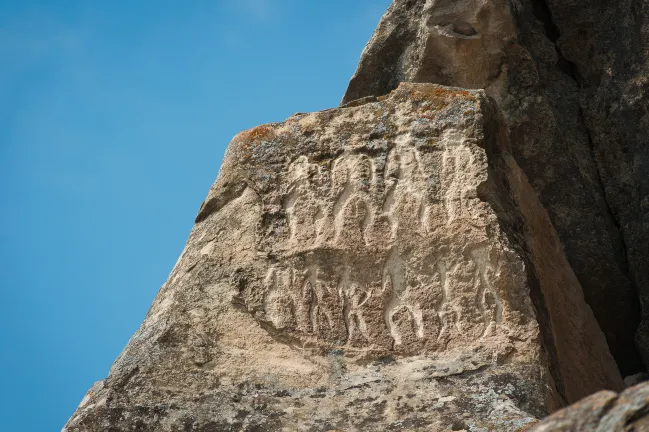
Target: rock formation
x=570, y=77
x=424, y=257
x=387, y=263
x=602, y=412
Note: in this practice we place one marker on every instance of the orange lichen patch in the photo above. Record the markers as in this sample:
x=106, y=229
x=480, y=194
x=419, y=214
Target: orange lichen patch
x=433, y=92
x=439, y=96
x=256, y=134
x=246, y=140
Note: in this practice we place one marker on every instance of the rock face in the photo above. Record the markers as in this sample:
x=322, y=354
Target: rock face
x=603, y=412
x=570, y=77
x=382, y=266
x=387, y=265
x=607, y=45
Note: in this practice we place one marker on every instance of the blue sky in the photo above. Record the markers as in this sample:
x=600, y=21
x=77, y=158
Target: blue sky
x=114, y=117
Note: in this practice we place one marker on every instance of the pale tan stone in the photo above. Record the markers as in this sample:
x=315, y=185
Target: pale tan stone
x=378, y=267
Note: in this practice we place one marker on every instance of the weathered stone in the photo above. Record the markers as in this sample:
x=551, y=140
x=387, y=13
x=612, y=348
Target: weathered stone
x=571, y=80
x=604, y=411
x=606, y=42
x=384, y=266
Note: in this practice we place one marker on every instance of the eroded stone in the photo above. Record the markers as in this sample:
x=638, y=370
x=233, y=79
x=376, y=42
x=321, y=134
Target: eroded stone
x=377, y=267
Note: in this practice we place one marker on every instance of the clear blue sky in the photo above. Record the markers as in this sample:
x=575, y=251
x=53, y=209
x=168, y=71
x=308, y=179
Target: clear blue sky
x=114, y=116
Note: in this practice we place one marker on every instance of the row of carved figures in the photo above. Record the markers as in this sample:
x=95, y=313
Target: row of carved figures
x=434, y=303
x=362, y=193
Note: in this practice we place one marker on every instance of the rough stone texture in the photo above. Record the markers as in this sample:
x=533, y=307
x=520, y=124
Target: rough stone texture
x=384, y=266
x=607, y=42
x=571, y=78
x=604, y=411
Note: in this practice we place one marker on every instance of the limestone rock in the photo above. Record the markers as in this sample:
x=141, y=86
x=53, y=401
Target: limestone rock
x=604, y=411
x=571, y=79
x=384, y=266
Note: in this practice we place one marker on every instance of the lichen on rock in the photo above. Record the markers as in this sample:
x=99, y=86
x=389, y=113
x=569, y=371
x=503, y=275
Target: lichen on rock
x=383, y=263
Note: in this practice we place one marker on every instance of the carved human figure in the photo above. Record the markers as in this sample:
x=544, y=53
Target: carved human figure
x=405, y=201
x=352, y=184
x=487, y=299
x=402, y=305
x=288, y=298
x=325, y=307
x=302, y=205
x=456, y=168
x=354, y=299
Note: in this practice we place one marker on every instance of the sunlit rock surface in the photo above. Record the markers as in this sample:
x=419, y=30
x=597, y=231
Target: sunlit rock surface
x=383, y=266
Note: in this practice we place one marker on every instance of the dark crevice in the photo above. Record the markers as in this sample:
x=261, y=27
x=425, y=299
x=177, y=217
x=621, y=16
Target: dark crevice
x=624, y=264
x=630, y=365
x=542, y=12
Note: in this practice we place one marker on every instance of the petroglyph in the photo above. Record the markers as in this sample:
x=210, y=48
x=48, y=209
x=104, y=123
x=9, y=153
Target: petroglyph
x=406, y=185
x=353, y=199
x=354, y=297
x=456, y=162
x=402, y=288
x=390, y=293
x=352, y=184
x=301, y=203
x=422, y=302
x=287, y=303
x=360, y=260
x=381, y=246
x=487, y=299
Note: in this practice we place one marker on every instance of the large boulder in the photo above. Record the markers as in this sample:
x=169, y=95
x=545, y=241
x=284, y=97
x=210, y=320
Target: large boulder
x=382, y=266
x=571, y=79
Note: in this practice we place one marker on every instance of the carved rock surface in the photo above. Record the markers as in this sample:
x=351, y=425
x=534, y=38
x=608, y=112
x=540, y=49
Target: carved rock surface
x=604, y=411
x=571, y=79
x=384, y=266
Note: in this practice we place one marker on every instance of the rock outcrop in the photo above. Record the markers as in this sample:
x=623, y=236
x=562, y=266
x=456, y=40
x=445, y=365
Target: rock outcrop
x=461, y=246
x=604, y=411
x=570, y=77
x=384, y=266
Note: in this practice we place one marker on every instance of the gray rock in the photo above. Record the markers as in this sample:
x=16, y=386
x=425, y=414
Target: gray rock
x=606, y=42
x=385, y=266
x=571, y=79
x=604, y=411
